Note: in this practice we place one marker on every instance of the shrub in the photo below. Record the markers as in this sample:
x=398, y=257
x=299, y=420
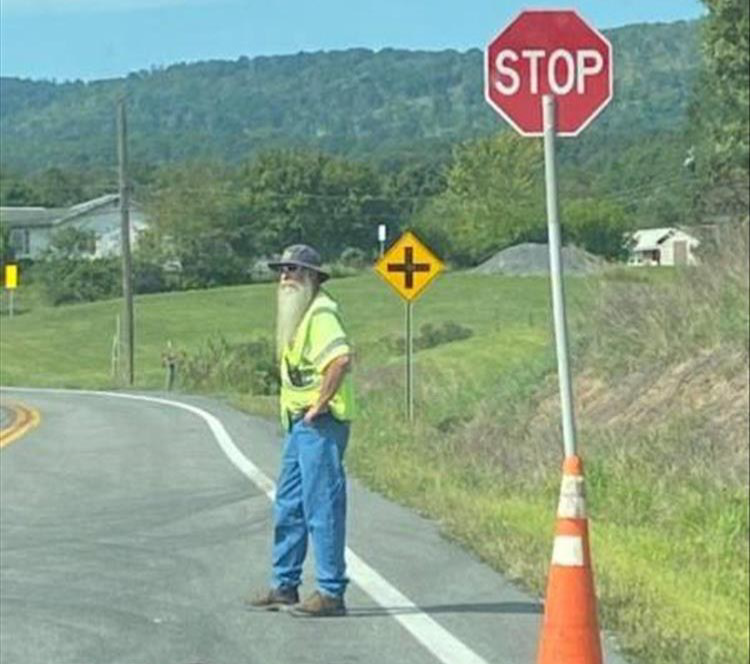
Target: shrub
x=429, y=336
x=669, y=318
x=260, y=272
x=150, y=278
x=68, y=280
x=353, y=257
x=248, y=367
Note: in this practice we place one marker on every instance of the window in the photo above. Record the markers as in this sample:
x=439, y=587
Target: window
x=19, y=241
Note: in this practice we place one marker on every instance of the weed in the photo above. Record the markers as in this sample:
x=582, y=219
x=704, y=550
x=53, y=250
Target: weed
x=240, y=367
x=430, y=336
x=659, y=321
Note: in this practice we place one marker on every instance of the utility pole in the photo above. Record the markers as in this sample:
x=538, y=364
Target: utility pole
x=127, y=265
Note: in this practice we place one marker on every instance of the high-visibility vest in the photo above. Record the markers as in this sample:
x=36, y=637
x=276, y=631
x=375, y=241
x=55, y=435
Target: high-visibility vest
x=300, y=377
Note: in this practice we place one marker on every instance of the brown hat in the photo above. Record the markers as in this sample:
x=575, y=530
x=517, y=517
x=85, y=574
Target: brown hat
x=301, y=255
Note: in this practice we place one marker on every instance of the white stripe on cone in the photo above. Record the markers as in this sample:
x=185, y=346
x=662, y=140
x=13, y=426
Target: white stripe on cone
x=572, y=503
x=568, y=551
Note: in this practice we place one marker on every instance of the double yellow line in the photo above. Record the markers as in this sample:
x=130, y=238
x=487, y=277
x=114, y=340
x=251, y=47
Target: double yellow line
x=25, y=420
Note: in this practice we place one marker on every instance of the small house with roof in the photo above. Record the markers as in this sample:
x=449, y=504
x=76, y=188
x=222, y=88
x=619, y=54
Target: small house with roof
x=31, y=228
x=662, y=246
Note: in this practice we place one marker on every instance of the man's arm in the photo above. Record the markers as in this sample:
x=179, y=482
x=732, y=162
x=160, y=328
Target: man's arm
x=332, y=376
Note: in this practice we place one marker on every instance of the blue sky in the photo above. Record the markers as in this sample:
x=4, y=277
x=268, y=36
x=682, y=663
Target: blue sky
x=94, y=39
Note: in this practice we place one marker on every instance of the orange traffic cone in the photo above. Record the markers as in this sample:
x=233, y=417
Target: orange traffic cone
x=570, y=631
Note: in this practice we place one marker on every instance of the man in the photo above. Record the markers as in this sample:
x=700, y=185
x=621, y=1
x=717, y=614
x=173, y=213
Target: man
x=316, y=409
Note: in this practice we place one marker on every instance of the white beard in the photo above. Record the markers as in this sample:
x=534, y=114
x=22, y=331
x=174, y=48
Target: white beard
x=293, y=300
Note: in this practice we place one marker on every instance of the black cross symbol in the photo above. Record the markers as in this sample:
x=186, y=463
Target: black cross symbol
x=408, y=267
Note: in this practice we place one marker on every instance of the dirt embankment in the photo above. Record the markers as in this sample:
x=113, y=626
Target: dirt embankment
x=700, y=404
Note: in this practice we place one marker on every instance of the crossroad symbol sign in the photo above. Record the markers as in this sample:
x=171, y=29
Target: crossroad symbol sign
x=409, y=266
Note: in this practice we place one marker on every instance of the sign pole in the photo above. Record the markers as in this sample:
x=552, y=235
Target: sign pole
x=408, y=266
x=409, y=364
x=555, y=265
x=10, y=304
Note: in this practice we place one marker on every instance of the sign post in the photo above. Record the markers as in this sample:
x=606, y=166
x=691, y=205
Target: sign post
x=549, y=73
x=556, y=278
x=409, y=349
x=381, y=239
x=409, y=266
x=11, y=283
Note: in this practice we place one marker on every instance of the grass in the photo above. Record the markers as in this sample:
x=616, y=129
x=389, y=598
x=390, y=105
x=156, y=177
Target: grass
x=669, y=530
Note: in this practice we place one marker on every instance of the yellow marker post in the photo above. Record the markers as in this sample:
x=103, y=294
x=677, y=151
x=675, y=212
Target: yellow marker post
x=408, y=267
x=11, y=283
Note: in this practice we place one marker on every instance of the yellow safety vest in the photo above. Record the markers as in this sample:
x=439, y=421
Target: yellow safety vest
x=302, y=375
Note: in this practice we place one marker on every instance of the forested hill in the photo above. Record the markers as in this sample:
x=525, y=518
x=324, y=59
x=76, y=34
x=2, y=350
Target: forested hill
x=365, y=104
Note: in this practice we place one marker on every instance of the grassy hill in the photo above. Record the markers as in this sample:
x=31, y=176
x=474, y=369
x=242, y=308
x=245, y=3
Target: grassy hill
x=389, y=104
x=662, y=399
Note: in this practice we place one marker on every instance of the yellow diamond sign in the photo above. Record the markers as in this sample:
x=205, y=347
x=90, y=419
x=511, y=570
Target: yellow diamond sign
x=408, y=266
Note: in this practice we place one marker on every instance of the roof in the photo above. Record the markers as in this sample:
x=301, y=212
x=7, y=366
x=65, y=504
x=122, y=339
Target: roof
x=88, y=206
x=30, y=216
x=36, y=217
x=650, y=239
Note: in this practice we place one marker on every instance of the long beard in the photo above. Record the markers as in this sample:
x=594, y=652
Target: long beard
x=293, y=300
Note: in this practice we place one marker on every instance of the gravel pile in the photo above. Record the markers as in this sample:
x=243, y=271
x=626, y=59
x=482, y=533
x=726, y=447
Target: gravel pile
x=533, y=259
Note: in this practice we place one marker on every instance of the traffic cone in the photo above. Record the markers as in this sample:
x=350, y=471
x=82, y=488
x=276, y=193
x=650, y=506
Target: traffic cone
x=570, y=630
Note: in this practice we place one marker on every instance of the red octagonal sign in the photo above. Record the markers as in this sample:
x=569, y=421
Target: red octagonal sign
x=548, y=52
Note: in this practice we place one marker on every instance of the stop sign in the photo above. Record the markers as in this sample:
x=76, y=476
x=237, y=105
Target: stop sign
x=548, y=52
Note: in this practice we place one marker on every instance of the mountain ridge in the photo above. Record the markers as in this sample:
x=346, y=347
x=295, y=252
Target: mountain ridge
x=366, y=104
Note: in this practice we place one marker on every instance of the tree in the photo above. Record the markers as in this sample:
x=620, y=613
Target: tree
x=599, y=226
x=15, y=191
x=294, y=196
x=721, y=110
x=727, y=52
x=68, y=272
x=56, y=187
x=494, y=197
x=194, y=209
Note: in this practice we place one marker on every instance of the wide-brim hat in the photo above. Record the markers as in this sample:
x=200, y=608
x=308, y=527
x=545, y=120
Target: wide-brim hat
x=301, y=255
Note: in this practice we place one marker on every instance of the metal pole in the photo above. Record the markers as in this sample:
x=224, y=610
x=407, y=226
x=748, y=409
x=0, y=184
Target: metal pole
x=409, y=365
x=127, y=270
x=556, y=276
x=10, y=304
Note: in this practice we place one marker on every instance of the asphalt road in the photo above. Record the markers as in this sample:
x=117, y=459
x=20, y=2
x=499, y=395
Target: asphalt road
x=6, y=417
x=131, y=530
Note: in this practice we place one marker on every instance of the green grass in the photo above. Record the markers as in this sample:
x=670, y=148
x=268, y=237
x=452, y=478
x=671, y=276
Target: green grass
x=670, y=550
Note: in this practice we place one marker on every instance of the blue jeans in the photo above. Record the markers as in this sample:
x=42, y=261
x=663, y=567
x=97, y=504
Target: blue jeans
x=311, y=500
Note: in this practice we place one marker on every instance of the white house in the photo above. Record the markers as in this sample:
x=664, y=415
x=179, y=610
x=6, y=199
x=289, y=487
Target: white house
x=662, y=246
x=31, y=228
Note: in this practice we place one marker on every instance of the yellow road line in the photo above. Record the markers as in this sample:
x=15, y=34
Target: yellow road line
x=26, y=419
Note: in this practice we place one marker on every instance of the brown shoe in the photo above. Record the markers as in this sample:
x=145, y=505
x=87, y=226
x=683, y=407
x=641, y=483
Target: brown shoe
x=273, y=600
x=319, y=605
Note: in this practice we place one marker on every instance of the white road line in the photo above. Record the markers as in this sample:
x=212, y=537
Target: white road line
x=433, y=636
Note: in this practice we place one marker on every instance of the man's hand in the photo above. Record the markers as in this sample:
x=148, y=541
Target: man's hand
x=313, y=412
x=332, y=377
